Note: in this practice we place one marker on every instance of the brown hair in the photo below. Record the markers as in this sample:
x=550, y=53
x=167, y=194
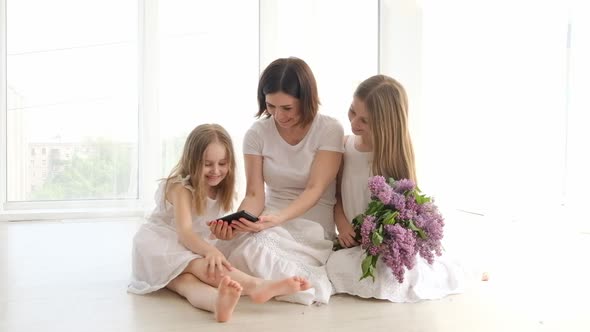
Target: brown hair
x=191, y=163
x=386, y=102
x=293, y=77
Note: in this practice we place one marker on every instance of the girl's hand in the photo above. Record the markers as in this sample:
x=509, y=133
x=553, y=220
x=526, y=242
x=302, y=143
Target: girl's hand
x=221, y=229
x=346, y=235
x=264, y=222
x=216, y=263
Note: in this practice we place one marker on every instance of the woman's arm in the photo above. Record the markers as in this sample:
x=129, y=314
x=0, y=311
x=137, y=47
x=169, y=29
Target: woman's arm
x=323, y=171
x=253, y=202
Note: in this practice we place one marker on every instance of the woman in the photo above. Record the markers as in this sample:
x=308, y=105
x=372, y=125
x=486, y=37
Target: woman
x=295, y=153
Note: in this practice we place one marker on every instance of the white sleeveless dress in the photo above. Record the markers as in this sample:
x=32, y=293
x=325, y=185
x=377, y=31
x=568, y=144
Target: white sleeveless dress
x=423, y=282
x=158, y=256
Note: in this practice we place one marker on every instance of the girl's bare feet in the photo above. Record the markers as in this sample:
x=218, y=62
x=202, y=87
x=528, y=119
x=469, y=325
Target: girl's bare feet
x=287, y=286
x=229, y=292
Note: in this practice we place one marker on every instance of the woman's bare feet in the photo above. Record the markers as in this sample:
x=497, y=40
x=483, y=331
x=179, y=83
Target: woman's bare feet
x=287, y=286
x=229, y=292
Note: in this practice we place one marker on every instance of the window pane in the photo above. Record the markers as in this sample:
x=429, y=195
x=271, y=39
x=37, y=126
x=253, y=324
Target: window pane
x=72, y=113
x=208, y=70
x=337, y=39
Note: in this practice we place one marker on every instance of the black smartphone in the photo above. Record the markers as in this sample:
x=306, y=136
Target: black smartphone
x=238, y=215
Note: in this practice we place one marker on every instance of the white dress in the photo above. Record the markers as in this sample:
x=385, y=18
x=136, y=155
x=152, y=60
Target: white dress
x=423, y=282
x=158, y=256
x=300, y=246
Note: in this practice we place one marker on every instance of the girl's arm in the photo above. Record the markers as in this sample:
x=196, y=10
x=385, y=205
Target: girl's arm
x=181, y=198
x=323, y=171
x=346, y=233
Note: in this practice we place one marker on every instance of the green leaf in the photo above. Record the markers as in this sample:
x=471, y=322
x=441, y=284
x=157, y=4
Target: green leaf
x=369, y=266
x=374, y=207
x=377, y=238
x=390, y=218
x=421, y=199
x=413, y=227
x=391, y=181
x=374, y=261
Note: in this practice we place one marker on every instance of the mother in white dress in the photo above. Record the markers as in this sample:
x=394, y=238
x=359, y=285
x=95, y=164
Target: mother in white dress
x=295, y=153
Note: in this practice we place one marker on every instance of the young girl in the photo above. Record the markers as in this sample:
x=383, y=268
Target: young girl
x=175, y=248
x=381, y=145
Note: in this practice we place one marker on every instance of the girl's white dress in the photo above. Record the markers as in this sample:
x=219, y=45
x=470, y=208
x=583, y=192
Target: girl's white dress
x=423, y=282
x=300, y=246
x=158, y=256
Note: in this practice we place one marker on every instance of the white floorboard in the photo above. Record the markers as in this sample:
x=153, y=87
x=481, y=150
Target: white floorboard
x=72, y=276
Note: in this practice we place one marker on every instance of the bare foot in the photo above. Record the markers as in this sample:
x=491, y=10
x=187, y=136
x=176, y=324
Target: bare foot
x=287, y=286
x=227, y=298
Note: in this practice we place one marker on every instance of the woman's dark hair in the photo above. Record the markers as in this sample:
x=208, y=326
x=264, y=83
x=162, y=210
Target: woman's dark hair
x=293, y=77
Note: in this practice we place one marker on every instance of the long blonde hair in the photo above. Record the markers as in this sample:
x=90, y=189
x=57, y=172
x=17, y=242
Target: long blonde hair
x=192, y=160
x=386, y=102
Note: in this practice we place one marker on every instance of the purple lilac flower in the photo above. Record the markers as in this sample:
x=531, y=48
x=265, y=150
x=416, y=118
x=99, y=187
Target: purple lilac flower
x=380, y=189
x=398, y=201
x=410, y=209
x=385, y=195
x=377, y=184
x=431, y=221
x=373, y=250
x=367, y=229
x=400, y=244
x=400, y=250
x=403, y=185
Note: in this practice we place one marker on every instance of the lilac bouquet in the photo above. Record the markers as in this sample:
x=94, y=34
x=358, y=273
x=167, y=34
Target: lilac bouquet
x=399, y=223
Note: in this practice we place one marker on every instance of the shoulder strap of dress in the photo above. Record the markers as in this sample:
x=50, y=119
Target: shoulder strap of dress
x=186, y=182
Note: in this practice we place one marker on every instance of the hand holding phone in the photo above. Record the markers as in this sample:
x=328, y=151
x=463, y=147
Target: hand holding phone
x=237, y=215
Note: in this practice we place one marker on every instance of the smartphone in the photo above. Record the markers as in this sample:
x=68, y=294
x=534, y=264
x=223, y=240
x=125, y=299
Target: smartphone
x=238, y=215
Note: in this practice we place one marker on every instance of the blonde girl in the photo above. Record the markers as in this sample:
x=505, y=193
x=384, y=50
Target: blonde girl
x=175, y=248
x=381, y=145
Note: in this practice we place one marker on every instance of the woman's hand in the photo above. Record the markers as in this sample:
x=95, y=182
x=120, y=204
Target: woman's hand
x=346, y=235
x=221, y=229
x=216, y=263
x=264, y=222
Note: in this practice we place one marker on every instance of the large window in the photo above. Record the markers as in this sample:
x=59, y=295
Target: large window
x=71, y=100
x=98, y=112
x=208, y=71
x=99, y=96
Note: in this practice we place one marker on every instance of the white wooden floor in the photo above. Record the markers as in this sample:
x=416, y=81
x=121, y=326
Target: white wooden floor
x=72, y=276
